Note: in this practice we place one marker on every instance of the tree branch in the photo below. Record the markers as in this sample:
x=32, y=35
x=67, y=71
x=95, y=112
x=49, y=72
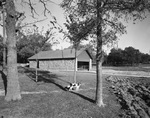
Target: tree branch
x=33, y=23
x=32, y=3
x=33, y=11
x=45, y=7
x=116, y=26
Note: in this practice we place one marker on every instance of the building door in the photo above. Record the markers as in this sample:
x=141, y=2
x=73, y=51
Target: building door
x=83, y=65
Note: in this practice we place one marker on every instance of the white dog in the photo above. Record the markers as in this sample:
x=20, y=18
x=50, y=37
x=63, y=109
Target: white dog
x=73, y=87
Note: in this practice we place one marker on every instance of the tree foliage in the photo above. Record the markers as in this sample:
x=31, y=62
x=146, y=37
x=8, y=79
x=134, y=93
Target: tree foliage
x=145, y=58
x=128, y=56
x=76, y=30
x=28, y=45
x=113, y=13
x=115, y=57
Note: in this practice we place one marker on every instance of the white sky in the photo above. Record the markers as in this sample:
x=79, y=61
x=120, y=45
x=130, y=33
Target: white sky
x=138, y=35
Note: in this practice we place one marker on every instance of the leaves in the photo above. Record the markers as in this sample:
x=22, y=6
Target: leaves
x=113, y=13
x=78, y=30
x=128, y=56
x=28, y=45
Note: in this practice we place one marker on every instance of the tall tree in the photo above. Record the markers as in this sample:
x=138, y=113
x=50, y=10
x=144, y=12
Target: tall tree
x=99, y=90
x=76, y=35
x=116, y=57
x=145, y=58
x=41, y=45
x=132, y=55
x=12, y=18
x=105, y=17
x=13, y=88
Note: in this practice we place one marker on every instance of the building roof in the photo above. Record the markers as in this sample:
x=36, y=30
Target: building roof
x=58, y=54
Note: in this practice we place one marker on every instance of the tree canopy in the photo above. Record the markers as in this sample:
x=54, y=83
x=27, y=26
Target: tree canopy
x=113, y=12
x=129, y=56
x=30, y=44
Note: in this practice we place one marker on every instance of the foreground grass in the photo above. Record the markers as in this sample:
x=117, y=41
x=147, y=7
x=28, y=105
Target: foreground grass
x=56, y=102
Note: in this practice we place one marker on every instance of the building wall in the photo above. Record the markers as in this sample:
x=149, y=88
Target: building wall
x=90, y=64
x=50, y=65
x=84, y=57
x=61, y=64
x=32, y=64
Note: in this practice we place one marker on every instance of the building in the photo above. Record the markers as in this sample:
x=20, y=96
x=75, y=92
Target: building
x=61, y=60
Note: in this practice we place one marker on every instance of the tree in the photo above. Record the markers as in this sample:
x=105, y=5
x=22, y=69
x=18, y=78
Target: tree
x=23, y=49
x=145, y=58
x=116, y=57
x=13, y=88
x=28, y=45
x=132, y=55
x=33, y=43
x=76, y=35
x=41, y=45
x=105, y=17
x=12, y=27
x=128, y=56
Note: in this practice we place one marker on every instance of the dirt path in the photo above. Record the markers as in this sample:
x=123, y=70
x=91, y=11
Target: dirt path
x=125, y=73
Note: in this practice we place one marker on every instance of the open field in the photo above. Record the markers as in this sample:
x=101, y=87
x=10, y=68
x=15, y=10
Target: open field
x=48, y=98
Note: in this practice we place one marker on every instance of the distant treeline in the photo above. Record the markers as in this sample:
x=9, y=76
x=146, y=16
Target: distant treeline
x=129, y=56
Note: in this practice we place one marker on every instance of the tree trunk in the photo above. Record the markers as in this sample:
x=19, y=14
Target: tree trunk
x=99, y=55
x=75, y=64
x=4, y=41
x=36, y=70
x=13, y=88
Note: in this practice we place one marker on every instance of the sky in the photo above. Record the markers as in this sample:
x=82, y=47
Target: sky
x=138, y=35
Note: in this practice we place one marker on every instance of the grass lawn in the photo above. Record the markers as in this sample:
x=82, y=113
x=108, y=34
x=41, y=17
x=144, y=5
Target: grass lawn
x=52, y=101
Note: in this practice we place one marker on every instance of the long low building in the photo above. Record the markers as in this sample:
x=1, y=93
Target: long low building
x=61, y=60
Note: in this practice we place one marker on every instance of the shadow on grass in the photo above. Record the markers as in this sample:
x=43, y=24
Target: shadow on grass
x=84, y=97
x=45, y=76
x=48, y=77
